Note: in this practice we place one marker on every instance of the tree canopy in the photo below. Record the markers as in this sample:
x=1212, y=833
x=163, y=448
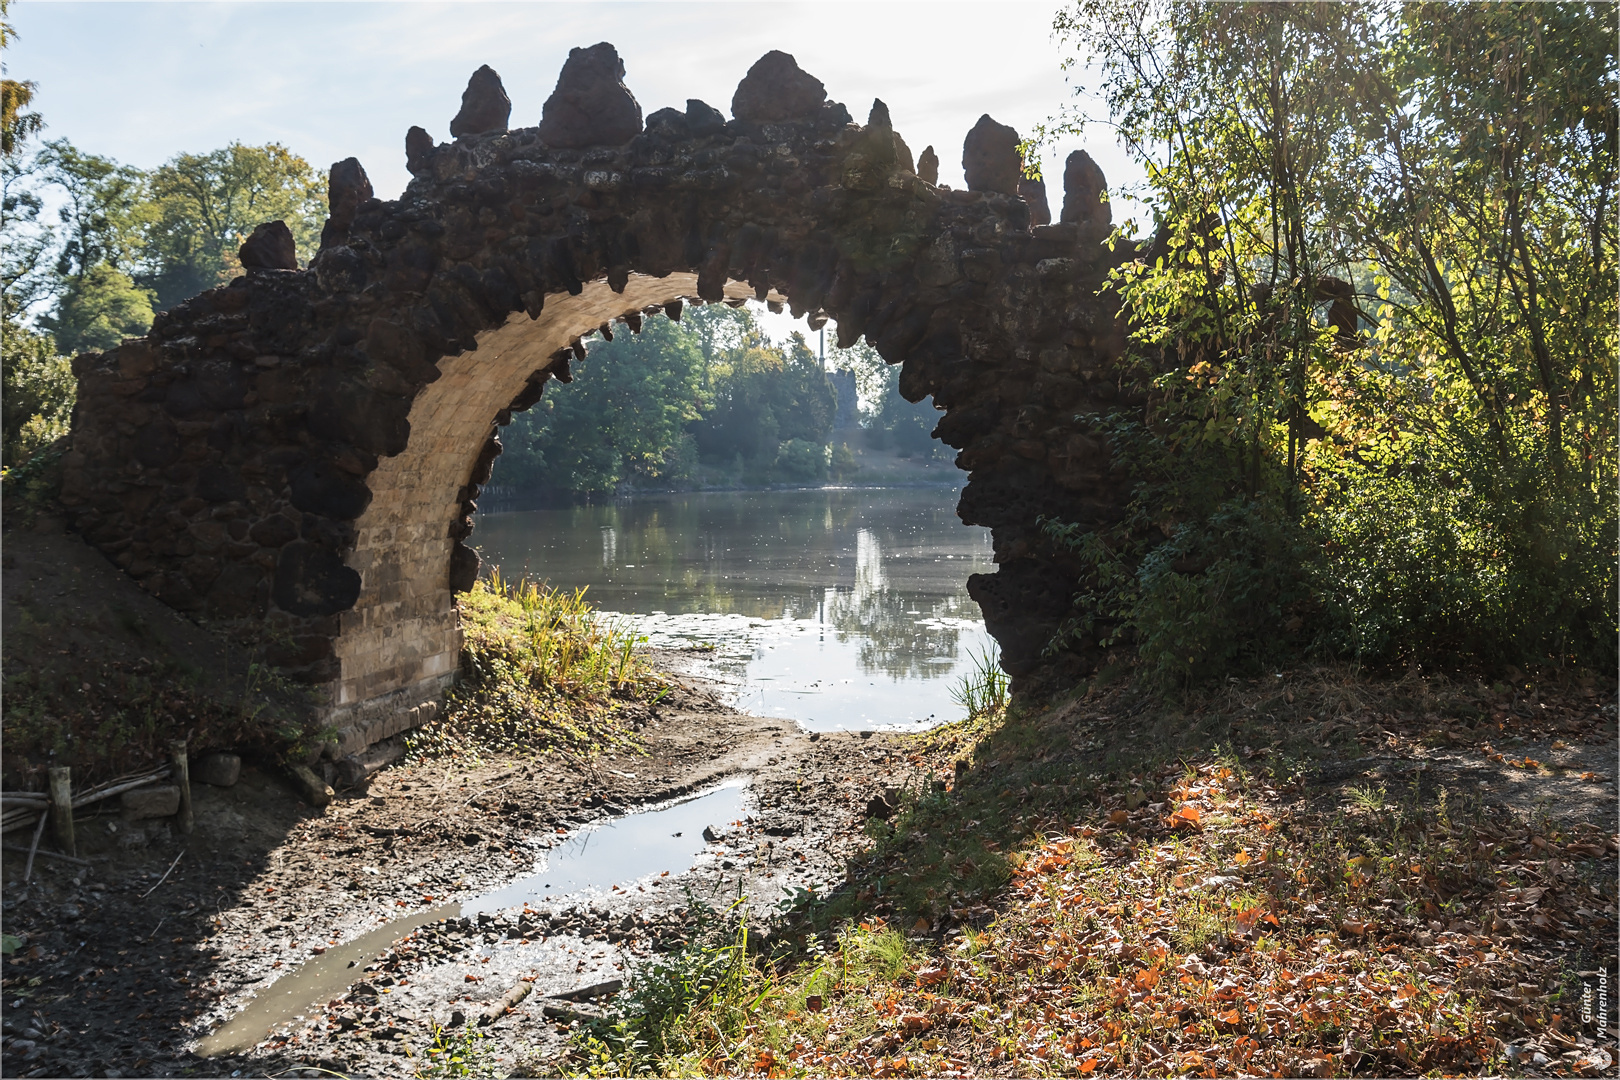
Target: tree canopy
x=1376, y=321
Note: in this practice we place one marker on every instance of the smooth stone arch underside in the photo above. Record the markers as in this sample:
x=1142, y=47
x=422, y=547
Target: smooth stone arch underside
x=295, y=457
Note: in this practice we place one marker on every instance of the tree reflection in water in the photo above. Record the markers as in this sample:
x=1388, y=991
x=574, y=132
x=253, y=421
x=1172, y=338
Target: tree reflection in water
x=800, y=590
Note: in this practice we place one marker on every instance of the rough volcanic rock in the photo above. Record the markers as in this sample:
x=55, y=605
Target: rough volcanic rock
x=485, y=108
x=347, y=186
x=260, y=412
x=990, y=158
x=703, y=119
x=1083, y=189
x=591, y=106
x=1034, y=193
x=928, y=165
x=776, y=90
x=311, y=580
x=271, y=247
x=418, y=148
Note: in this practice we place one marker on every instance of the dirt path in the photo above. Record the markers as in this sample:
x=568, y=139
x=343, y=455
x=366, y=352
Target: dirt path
x=278, y=921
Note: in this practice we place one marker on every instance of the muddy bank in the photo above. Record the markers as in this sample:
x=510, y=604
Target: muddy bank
x=286, y=919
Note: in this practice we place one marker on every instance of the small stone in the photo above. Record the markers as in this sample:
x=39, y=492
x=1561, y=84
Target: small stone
x=591, y=106
x=271, y=247
x=1084, y=188
x=485, y=108
x=220, y=770
x=70, y=912
x=928, y=166
x=150, y=802
x=1034, y=193
x=776, y=90
x=710, y=834
x=990, y=158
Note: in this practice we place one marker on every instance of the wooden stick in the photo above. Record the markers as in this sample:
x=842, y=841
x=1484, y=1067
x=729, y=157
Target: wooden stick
x=107, y=791
x=15, y=816
x=58, y=856
x=25, y=798
x=180, y=769
x=164, y=878
x=39, y=831
x=61, y=777
x=507, y=1002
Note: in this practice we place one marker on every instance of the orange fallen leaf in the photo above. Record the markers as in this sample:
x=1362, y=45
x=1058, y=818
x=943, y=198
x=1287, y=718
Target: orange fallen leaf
x=1088, y=1066
x=1118, y=817
x=1186, y=816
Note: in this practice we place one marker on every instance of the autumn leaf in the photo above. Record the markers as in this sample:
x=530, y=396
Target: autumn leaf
x=1186, y=817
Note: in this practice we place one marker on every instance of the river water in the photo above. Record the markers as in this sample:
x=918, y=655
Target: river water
x=837, y=608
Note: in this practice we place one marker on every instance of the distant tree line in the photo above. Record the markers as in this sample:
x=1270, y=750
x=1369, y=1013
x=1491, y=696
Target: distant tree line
x=709, y=397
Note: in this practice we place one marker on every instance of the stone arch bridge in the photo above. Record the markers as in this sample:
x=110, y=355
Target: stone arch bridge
x=295, y=457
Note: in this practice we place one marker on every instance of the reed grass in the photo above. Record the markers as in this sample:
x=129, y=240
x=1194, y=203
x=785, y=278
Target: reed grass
x=540, y=670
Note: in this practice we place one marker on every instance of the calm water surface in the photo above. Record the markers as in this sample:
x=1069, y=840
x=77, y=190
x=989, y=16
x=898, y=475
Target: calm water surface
x=835, y=608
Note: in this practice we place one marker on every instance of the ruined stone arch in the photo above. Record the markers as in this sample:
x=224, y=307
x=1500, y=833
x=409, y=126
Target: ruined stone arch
x=296, y=456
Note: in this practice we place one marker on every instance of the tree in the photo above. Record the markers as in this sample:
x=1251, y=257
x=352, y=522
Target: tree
x=103, y=209
x=763, y=397
x=205, y=205
x=24, y=266
x=1370, y=328
x=99, y=309
x=16, y=126
x=623, y=417
x=37, y=392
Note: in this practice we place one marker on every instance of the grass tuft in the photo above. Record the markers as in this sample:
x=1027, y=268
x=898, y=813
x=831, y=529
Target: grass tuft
x=541, y=670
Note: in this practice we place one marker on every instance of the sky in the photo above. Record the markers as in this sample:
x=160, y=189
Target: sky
x=142, y=82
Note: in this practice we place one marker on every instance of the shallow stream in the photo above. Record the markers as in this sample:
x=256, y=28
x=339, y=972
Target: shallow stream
x=664, y=840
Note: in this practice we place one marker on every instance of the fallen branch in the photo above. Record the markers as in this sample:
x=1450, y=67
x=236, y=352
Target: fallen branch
x=165, y=876
x=567, y=1010
x=19, y=849
x=39, y=831
x=508, y=1001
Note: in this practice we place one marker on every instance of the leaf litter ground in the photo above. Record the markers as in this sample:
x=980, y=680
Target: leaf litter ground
x=1310, y=876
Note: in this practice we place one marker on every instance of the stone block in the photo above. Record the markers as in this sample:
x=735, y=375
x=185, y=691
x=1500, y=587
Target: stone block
x=150, y=802
x=220, y=770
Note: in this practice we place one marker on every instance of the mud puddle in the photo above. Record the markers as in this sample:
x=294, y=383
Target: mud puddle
x=622, y=851
x=612, y=856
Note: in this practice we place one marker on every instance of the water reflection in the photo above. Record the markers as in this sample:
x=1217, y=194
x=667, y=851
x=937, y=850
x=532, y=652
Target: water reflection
x=853, y=598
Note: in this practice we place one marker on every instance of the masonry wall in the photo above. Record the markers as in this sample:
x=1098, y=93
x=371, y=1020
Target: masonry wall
x=295, y=457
